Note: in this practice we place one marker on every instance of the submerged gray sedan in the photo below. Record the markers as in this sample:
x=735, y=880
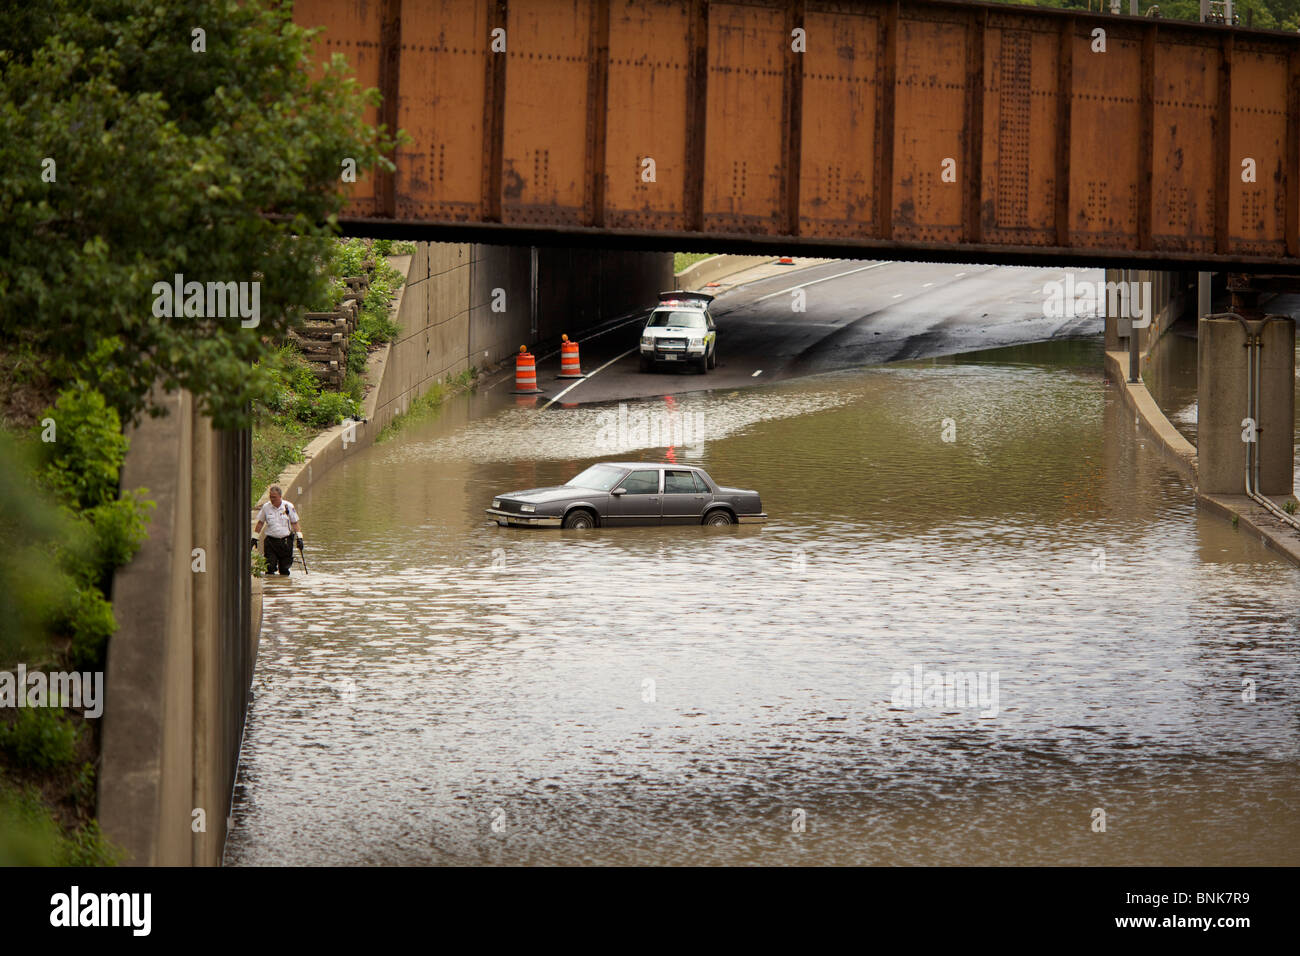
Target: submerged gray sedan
x=629, y=493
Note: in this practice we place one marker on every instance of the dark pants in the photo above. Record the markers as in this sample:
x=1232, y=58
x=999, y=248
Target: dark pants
x=279, y=554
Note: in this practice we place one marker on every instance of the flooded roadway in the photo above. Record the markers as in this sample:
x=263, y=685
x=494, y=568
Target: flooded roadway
x=443, y=691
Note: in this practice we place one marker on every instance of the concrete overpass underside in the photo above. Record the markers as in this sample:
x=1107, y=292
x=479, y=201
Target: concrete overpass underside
x=928, y=130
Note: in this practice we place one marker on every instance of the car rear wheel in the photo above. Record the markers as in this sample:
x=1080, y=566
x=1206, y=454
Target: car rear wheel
x=580, y=520
x=718, y=518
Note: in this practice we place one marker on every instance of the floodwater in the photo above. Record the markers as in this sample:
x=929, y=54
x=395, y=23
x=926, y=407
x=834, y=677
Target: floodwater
x=443, y=691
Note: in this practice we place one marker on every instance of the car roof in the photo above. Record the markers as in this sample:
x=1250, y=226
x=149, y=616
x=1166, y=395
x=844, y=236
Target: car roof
x=651, y=464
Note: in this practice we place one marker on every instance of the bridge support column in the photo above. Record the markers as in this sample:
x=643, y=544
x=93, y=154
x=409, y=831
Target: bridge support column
x=1225, y=383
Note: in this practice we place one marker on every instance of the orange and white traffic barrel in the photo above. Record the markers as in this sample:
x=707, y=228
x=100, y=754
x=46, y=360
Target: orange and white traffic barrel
x=525, y=372
x=570, y=367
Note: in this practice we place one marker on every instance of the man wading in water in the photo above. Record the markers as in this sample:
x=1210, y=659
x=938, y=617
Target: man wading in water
x=280, y=518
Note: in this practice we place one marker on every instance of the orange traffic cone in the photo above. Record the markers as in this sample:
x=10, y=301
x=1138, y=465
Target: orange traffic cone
x=525, y=372
x=570, y=367
x=785, y=261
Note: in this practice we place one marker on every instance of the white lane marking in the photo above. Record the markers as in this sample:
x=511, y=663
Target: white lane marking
x=838, y=275
x=959, y=275
x=927, y=285
x=590, y=376
x=757, y=374
x=898, y=295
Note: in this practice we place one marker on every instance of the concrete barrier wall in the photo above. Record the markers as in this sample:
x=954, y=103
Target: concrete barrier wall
x=1172, y=295
x=694, y=277
x=180, y=664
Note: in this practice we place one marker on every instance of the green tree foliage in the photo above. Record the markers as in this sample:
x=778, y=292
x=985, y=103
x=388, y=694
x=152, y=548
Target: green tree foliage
x=222, y=166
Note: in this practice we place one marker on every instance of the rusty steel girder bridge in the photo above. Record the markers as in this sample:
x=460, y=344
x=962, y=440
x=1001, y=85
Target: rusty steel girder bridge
x=929, y=130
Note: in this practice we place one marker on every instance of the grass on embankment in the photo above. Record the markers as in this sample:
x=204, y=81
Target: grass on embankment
x=427, y=405
x=277, y=444
x=299, y=407
x=683, y=260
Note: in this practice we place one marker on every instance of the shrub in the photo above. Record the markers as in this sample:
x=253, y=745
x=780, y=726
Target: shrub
x=120, y=528
x=358, y=351
x=29, y=835
x=349, y=256
x=82, y=464
x=325, y=409
x=90, y=622
x=354, y=387
x=41, y=738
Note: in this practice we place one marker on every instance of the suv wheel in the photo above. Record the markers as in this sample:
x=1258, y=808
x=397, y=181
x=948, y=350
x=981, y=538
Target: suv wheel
x=645, y=364
x=713, y=358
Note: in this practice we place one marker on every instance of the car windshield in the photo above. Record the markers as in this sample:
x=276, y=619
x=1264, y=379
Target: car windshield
x=597, y=477
x=685, y=320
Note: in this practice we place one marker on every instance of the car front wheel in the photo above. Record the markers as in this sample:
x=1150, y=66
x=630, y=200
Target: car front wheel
x=718, y=518
x=579, y=520
x=645, y=364
x=713, y=358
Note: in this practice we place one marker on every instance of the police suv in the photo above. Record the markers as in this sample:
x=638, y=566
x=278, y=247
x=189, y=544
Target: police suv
x=680, y=332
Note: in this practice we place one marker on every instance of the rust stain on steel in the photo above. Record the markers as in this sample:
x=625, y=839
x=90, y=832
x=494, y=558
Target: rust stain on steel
x=972, y=173
x=1146, y=136
x=742, y=164
x=697, y=113
x=545, y=124
x=930, y=110
x=354, y=29
x=444, y=83
x=593, y=204
x=1059, y=151
x=390, y=38
x=792, y=113
x=1257, y=211
x=839, y=112
x=1291, y=191
x=496, y=61
x=1061, y=132
x=1106, y=123
x=648, y=94
x=886, y=127
x=1184, y=173
x=1222, y=145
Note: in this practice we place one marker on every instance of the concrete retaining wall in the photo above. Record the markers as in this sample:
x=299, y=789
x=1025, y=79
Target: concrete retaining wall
x=1173, y=295
x=182, y=659
x=694, y=277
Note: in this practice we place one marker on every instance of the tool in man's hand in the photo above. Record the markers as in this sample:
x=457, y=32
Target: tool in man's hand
x=301, y=554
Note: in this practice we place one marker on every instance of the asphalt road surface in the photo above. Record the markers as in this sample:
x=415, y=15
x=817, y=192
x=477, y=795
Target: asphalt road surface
x=856, y=313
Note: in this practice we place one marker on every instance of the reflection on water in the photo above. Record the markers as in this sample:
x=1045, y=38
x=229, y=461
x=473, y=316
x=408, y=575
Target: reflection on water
x=439, y=690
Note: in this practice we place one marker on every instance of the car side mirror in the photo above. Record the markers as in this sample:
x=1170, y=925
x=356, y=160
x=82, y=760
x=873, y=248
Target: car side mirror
x=619, y=491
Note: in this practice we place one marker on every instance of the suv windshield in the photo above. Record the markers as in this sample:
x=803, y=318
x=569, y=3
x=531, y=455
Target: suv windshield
x=597, y=477
x=685, y=320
